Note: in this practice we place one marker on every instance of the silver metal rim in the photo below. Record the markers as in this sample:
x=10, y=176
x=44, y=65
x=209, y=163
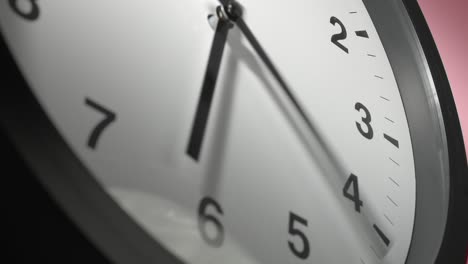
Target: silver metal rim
x=426, y=125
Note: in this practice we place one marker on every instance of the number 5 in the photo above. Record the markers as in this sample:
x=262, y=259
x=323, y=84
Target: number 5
x=294, y=231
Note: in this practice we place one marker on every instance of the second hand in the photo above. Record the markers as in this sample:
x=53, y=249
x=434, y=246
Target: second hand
x=326, y=157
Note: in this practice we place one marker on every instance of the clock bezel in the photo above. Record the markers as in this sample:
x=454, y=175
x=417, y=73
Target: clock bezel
x=116, y=234
x=420, y=77
x=455, y=240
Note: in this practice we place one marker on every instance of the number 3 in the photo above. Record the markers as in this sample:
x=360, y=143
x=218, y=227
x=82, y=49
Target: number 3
x=32, y=15
x=369, y=134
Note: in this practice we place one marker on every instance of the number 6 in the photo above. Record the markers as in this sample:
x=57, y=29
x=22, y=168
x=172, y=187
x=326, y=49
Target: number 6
x=204, y=218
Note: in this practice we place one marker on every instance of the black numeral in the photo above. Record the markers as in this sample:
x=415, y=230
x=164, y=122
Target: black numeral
x=31, y=15
x=304, y=251
x=340, y=36
x=369, y=131
x=204, y=218
x=109, y=117
x=352, y=183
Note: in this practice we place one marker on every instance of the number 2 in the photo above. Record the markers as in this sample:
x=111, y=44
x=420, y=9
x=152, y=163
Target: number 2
x=340, y=36
x=32, y=15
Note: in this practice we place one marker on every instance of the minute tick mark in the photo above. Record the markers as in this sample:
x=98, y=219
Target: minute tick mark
x=394, y=181
x=388, y=219
x=375, y=252
x=395, y=162
x=391, y=200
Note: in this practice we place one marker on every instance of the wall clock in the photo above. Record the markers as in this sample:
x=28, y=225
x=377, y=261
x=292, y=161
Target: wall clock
x=255, y=132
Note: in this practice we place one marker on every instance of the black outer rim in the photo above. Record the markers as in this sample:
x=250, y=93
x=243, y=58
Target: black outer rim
x=455, y=243
x=105, y=224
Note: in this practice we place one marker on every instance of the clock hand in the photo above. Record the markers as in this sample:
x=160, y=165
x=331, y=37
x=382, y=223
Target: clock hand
x=234, y=12
x=326, y=158
x=208, y=87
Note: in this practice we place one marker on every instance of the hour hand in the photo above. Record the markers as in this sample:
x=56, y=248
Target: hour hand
x=208, y=87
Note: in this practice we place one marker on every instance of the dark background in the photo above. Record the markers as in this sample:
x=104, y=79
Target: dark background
x=34, y=230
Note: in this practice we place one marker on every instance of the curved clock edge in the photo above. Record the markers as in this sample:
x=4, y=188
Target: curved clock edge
x=455, y=242
x=79, y=196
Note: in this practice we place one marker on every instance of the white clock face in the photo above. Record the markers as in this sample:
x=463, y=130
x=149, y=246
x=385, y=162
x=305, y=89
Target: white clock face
x=121, y=80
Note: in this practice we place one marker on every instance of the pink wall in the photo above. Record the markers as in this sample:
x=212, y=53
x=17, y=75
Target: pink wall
x=448, y=21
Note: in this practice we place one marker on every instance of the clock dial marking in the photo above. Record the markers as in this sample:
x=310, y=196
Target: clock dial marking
x=353, y=183
x=204, y=218
x=385, y=98
x=390, y=120
x=381, y=234
x=208, y=88
x=339, y=36
x=393, y=180
x=390, y=139
x=362, y=34
x=398, y=164
x=304, y=251
x=388, y=219
x=368, y=131
x=109, y=118
x=391, y=200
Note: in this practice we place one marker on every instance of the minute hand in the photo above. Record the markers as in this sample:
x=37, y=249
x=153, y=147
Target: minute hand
x=330, y=161
x=326, y=158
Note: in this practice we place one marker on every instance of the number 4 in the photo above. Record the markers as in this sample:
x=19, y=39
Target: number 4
x=353, y=183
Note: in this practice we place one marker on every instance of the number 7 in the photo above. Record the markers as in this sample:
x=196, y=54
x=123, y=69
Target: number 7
x=99, y=129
